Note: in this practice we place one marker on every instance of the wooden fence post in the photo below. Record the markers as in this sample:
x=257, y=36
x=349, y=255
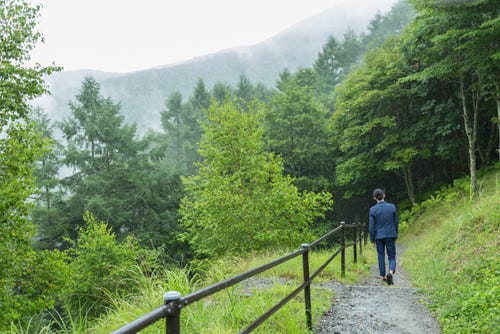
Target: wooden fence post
x=360, y=238
x=173, y=316
x=342, y=253
x=354, y=246
x=307, y=289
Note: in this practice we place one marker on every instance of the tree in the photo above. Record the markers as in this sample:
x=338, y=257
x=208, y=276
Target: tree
x=28, y=280
x=284, y=77
x=446, y=30
x=358, y=130
x=95, y=133
x=383, y=124
x=245, y=90
x=240, y=201
x=109, y=164
x=101, y=267
x=182, y=128
x=172, y=124
x=327, y=64
x=221, y=92
x=197, y=104
x=483, y=55
x=295, y=128
x=382, y=27
x=48, y=196
x=336, y=59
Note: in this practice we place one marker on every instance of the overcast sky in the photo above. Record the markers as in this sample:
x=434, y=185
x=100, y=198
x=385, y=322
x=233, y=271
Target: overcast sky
x=130, y=35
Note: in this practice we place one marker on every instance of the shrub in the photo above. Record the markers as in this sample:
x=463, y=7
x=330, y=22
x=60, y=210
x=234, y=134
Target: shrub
x=101, y=266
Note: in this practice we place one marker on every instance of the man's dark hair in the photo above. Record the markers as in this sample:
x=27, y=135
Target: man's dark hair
x=378, y=194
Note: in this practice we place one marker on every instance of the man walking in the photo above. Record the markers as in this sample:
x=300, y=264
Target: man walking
x=383, y=230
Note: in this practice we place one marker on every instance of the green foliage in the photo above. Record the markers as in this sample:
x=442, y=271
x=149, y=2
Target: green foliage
x=148, y=296
x=182, y=129
x=374, y=123
x=336, y=59
x=231, y=310
x=113, y=177
x=295, y=128
x=454, y=42
x=383, y=27
x=95, y=132
x=239, y=200
x=244, y=90
x=453, y=255
x=24, y=274
x=221, y=92
x=35, y=284
x=100, y=266
x=20, y=82
x=478, y=309
x=48, y=194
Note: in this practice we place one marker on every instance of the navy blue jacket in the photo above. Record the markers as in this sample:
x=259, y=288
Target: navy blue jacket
x=383, y=221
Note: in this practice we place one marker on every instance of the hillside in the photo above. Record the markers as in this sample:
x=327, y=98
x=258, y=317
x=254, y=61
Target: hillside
x=453, y=255
x=143, y=93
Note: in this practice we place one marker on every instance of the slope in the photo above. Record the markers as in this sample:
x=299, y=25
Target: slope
x=453, y=254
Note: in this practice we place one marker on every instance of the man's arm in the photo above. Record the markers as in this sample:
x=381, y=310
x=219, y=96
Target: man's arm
x=396, y=219
x=371, y=227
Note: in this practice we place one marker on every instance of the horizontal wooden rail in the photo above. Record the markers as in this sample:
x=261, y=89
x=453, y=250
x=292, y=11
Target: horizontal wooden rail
x=174, y=303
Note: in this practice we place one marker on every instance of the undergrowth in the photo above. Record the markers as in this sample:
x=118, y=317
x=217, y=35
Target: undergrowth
x=453, y=254
x=228, y=311
x=234, y=308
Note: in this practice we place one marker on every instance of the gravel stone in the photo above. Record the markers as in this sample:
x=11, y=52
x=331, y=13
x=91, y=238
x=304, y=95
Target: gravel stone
x=374, y=307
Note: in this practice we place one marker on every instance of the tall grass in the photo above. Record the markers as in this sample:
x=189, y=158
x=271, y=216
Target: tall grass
x=228, y=311
x=231, y=310
x=453, y=253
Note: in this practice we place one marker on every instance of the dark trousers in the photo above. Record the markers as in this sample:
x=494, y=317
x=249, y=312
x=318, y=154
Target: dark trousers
x=388, y=244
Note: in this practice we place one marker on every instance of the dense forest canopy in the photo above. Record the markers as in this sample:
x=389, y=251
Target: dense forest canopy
x=407, y=106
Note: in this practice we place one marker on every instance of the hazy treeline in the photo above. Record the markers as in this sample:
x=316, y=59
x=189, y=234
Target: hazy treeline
x=134, y=184
x=407, y=106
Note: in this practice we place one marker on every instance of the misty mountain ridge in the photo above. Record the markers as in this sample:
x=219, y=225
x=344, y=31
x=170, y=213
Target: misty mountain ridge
x=142, y=93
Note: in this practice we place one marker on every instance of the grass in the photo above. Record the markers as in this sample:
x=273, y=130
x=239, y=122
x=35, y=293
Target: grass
x=228, y=311
x=453, y=254
x=231, y=310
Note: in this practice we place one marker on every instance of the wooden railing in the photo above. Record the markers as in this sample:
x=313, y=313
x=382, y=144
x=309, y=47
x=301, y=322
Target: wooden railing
x=174, y=302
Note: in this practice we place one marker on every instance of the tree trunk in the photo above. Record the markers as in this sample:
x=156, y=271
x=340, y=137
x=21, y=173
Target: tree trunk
x=48, y=200
x=471, y=132
x=48, y=205
x=498, y=124
x=486, y=154
x=410, y=188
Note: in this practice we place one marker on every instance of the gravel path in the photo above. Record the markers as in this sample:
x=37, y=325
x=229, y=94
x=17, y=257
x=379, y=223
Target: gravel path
x=374, y=307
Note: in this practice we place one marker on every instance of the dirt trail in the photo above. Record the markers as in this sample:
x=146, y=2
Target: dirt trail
x=374, y=307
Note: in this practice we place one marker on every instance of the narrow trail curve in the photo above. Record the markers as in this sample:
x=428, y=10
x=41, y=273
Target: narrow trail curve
x=375, y=307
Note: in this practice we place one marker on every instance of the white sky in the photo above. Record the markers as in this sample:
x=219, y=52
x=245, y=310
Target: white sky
x=129, y=35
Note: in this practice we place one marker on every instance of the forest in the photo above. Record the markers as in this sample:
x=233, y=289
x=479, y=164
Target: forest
x=410, y=105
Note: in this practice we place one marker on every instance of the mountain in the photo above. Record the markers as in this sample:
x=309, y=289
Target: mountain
x=142, y=93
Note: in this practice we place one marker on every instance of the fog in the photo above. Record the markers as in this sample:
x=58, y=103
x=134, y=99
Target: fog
x=142, y=93
x=124, y=36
